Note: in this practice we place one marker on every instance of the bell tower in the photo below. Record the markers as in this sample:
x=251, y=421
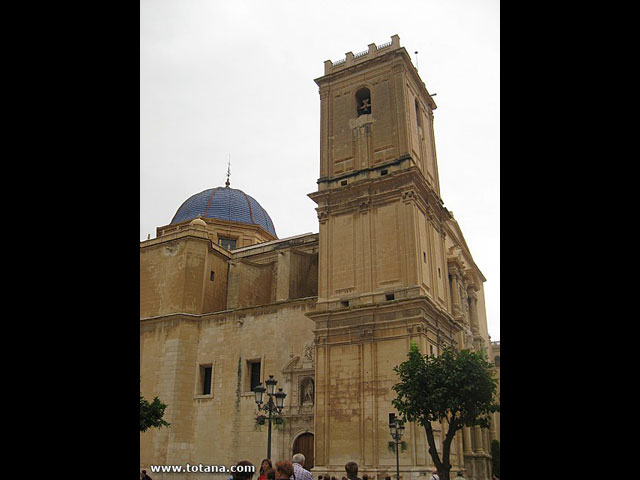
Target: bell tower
x=383, y=280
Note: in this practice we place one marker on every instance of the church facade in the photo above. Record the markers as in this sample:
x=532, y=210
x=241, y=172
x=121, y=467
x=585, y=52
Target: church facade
x=225, y=304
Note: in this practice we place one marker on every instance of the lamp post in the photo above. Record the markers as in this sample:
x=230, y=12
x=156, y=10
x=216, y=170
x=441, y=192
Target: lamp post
x=271, y=406
x=396, y=427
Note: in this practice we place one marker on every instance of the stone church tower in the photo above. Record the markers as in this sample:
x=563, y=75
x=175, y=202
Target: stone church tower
x=386, y=274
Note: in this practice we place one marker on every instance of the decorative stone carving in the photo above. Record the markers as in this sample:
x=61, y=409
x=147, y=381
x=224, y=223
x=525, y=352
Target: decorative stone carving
x=469, y=339
x=308, y=352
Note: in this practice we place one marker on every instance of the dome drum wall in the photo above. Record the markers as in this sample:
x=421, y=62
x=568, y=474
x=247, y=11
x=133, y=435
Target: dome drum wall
x=221, y=231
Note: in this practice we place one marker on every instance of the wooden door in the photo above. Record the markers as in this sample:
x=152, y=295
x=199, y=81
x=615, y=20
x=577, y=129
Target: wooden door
x=304, y=445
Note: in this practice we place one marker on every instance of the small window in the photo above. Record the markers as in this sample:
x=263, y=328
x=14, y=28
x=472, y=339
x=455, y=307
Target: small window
x=343, y=183
x=496, y=360
x=439, y=274
x=418, y=115
x=345, y=303
x=212, y=276
x=431, y=349
x=205, y=375
x=390, y=296
x=384, y=172
x=254, y=375
x=228, y=243
x=424, y=257
x=363, y=100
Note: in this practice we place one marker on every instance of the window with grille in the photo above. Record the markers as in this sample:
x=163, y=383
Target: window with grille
x=228, y=243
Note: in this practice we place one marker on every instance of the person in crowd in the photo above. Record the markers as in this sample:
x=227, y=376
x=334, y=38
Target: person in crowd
x=271, y=474
x=298, y=468
x=144, y=475
x=264, y=466
x=284, y=470
x=352, y=470
x=247, y=470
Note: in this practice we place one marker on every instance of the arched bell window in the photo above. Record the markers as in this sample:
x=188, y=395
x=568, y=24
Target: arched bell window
x=363, y=101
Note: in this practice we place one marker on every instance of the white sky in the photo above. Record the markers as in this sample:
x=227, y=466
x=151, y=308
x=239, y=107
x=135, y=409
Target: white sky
x=235, y=78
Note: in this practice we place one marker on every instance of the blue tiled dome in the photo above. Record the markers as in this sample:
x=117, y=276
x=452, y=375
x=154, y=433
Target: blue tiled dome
x=225, y=203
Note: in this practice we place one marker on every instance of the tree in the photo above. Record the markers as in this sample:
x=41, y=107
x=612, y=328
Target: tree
x=455, y=387
x=151, y=414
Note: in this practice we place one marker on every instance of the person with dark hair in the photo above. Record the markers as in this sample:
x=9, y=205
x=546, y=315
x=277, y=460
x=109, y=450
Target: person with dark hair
x=284, y=470
x=264, y=466
x=352, y=470
x=387, y=477
x=271, y=474
x=144, y=475
x=245, y=472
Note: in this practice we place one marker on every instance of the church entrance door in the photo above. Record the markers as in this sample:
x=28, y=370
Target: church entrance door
x=304, y=445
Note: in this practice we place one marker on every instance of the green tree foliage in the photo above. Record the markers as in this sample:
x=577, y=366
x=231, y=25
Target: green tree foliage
x=151, y=414
x=457, y=388
x=495, y=456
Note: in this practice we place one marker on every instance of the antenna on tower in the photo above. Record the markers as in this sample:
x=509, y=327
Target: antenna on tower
x=227, y=183
x=416, y=52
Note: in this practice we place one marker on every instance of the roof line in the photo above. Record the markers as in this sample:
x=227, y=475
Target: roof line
x=271, y=242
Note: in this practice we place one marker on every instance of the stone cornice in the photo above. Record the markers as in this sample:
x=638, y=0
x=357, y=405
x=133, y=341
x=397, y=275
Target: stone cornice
x=311, y=301
x=435, y=311
x=215, y=224
x=408, y=184
x=375, y=56
x=460, y=242
x=189, y=233
x=269, y=263
x=305, y=240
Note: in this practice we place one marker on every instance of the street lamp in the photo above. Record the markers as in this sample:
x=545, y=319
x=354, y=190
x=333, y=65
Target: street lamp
x=396, y=428
x=270, y=407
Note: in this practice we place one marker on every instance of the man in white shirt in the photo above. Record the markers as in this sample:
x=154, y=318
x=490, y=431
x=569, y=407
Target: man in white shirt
x=299, y=472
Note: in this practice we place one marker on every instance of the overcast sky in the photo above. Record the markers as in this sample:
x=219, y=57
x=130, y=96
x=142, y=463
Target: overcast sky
x=222, y=79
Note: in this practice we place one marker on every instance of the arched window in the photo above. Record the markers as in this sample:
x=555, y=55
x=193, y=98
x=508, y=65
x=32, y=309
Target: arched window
x=363, y=101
